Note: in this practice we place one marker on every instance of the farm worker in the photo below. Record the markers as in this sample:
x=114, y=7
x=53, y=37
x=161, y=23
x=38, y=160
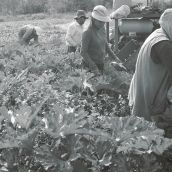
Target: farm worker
x=153, y=76
x=75, y=30
x=26, y=33
x=94, y=42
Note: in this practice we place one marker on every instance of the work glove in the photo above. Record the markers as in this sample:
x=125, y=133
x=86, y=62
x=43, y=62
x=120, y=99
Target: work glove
x=118, y=66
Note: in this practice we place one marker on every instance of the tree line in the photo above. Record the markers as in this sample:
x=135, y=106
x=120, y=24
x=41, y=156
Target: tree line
x=14, y=7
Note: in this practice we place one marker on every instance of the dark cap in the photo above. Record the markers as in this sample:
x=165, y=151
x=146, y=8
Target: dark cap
x=80, y=13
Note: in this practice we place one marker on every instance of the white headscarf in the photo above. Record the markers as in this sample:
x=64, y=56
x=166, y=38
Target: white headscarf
x=165, y=22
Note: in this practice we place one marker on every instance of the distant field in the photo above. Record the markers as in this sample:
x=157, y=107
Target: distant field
x=50, y=27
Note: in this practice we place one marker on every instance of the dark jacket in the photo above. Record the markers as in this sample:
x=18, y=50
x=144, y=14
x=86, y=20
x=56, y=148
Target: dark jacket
x=94, y=47
x=27, y=33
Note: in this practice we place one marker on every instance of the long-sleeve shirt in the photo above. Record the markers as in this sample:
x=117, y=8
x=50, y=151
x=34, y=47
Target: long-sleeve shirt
x=94, y=47
x=26, y=33
x=74, y=34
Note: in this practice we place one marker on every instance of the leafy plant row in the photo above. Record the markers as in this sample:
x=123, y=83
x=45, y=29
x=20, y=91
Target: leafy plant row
x=55, y=116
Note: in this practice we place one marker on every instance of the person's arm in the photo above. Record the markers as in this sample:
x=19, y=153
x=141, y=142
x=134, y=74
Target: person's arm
x=112, y=54
x=69, y=35
x=86, y=38
x=162, y=53
x=27, y=35
x=118, y=63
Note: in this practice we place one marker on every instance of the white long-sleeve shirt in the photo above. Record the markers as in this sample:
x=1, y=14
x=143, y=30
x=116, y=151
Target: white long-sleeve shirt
x=74, y=34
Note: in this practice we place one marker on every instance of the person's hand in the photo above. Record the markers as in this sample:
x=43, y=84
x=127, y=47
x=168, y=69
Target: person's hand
x=95, y=70
x=118, y=66
x=169, y=95
x=78, y=49
x=117, y=60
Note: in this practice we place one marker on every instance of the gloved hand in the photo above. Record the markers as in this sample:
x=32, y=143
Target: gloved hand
x=118, y=66
x=78, y=49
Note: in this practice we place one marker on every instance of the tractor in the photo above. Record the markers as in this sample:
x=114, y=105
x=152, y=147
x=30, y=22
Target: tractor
x=128, y=34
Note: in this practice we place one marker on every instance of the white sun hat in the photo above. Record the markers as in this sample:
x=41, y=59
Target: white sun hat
x=100, y=13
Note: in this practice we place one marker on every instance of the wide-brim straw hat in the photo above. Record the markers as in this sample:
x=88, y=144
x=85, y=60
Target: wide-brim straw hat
x=100, y=13
x=80, y=13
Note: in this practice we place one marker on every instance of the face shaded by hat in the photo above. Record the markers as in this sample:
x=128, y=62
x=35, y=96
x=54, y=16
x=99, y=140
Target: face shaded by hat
x=165, y=22
x=100, y=13
x=80, y=13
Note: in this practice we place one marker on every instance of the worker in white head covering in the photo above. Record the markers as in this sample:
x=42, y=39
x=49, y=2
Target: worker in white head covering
x=153, y=77
x=94, y=43
x=165, y=22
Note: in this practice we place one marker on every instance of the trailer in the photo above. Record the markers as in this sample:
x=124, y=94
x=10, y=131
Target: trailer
x=130, y=32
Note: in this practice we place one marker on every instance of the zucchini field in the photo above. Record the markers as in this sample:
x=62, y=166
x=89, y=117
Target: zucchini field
x=57, y=117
